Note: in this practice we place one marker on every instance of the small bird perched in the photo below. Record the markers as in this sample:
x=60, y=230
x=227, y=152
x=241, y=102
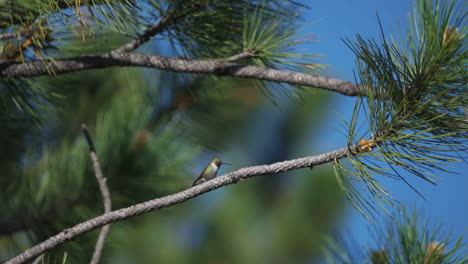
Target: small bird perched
x=210, y=171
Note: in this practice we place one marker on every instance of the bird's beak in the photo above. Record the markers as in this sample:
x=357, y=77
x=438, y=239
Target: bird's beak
x=226, y=163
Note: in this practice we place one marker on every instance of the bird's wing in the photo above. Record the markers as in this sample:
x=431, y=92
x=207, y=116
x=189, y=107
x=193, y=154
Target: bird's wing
x=198, y=180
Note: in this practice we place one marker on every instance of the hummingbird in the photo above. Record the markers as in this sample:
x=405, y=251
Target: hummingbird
x=209, y=172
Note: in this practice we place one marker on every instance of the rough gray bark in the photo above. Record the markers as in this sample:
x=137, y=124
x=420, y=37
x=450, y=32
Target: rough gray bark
x=216, y=67
x=102, y=181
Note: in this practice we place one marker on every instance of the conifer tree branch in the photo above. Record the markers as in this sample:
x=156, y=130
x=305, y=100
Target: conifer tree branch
x=215, y=67
x=173, y=199
x=171, y=16
x=243, y=55
x=38, y=259
x=10, y=35
x=105, y=195
x=16, y=34
x=145, y=37
x=60, y=3
x=5, y=7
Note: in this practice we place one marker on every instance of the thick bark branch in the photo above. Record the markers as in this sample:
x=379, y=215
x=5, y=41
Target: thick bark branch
x=170, y=200
x=223, y=68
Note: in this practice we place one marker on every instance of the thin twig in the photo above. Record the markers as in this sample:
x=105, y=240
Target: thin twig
x=10, y=35
x=173, y=199
x=245, y=54
x=16, y=33
x=221, y=68
x=13, y=15
x=105, y=195
x=171, y=17
x=38, y=259
x=147, y=35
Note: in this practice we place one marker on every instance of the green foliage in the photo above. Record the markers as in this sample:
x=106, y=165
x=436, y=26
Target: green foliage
x=26, y=12
x=150, y=127
x=196, y=28
x=415, y=103
x=273, y=41
x=405, y=238
x=144, y=150
x=214, y=32
x=139, y=162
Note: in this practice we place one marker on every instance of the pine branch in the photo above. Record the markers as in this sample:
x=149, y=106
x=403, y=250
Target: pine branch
x=423, y=126
x=173, y=199
x=105, y=195
x=14, y=18
x=145, y=37
x=221, y=68
x=60, y=3
x=38, y=260
x=243, y=55
x=171, y=17
x=16, y=34
x=406, y=237
x=5, y=7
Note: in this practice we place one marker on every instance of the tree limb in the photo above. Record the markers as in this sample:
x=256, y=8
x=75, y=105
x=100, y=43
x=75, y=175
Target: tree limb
x=221, y=68
x=105, y=195
x=173, y=199
x=17, y=33
x=171, y=16
x=122, y=57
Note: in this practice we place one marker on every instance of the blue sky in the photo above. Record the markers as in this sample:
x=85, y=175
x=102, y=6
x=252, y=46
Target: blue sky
x=446, y=202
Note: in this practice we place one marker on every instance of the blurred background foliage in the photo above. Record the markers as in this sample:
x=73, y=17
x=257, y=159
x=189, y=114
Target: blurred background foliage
x=153, y=136
x=155, y=131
